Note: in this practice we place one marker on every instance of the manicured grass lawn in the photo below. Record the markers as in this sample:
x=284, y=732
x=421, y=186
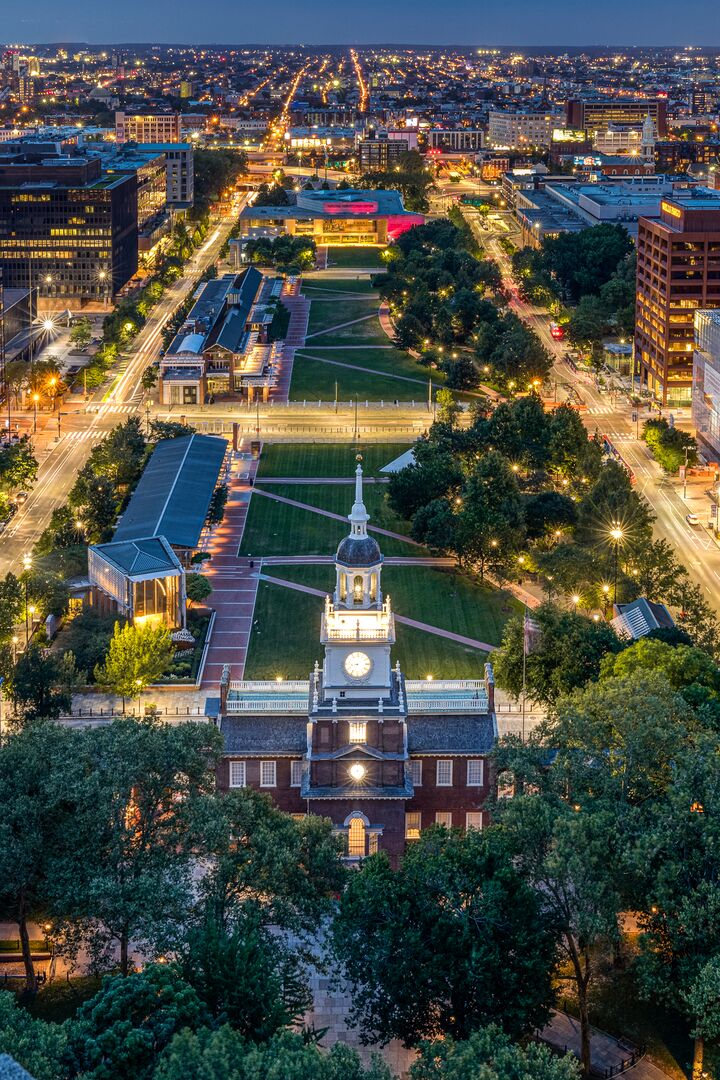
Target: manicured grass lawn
x=313, y=380
x=294, y=618
x=327, y=287
x=384, y=361
x=274, y=528
x=327, y=311
x=433, y=595
x=362, y=257
x=325, y=459
x=339, y=499
x=368, y=332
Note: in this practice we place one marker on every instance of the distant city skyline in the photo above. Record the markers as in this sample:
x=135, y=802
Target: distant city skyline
x=524, y=24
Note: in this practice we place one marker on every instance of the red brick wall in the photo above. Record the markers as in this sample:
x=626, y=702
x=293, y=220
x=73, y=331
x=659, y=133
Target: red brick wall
x=459, y=799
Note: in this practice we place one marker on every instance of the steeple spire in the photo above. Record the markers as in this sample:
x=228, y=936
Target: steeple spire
x=358, y=516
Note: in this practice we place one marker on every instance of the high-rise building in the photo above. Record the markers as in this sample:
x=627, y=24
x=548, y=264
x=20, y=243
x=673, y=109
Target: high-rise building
x=594, y=114
x=380, y=153
x=521, y=128
x=678, y=273
x=706, y=383
x=147, y=127
x=65, y=227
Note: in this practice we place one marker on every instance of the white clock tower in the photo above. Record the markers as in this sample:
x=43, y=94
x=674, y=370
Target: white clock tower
x=358, y=627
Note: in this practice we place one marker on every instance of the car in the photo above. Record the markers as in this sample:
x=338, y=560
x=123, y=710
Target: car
x=692, y=519
x=22, y=497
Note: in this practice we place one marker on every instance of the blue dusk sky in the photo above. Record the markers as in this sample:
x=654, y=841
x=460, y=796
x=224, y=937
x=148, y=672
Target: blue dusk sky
x=462, y=22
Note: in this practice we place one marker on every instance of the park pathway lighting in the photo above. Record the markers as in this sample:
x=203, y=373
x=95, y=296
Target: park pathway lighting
x=616, y=535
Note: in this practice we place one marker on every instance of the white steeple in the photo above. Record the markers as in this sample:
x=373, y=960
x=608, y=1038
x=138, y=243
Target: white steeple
x=358, y=516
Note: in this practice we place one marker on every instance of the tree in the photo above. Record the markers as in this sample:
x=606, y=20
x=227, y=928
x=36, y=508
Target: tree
x=547, y=511
x=702, y=1001
x=81, y=333
x=490, y=526
x=670, y=446
x=245, y=975
x=451, y=940
x=38, y=777
x=119, y=1033
x=35, y=1044
x=462, y=374
x=225, y=1055
x=489, y=1054
x=566, y=653
x=169, y=429
x=136, y=657
x=41, y=685
x=18, y=465
x=197, y=587
x=137, y=829
x=11, y=605
x=431, y=476
x=688, y=670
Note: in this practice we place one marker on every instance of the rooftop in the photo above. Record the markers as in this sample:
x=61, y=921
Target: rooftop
x=138, y=558
x=174, y=492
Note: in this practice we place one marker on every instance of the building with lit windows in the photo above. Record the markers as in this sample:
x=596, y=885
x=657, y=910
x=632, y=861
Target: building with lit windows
x=66, y=227
x=147, y=127
x=521, y=128
x=382, y=756
x=706, y=383
x=597, y=113
x=678, y=274
x=141, y=580
x=335, y=218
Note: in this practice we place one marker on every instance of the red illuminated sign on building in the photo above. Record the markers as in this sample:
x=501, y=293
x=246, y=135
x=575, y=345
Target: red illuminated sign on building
x=350, y=207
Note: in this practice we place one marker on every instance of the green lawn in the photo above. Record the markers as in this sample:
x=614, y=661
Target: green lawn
x=339, y=498
x=294, y=618
x=274, y=528
x=368, y=332
x=437, y=596
x=362, y=257
x=323, y=459
x=314, y=380
x=320, y=287
x=327, y=311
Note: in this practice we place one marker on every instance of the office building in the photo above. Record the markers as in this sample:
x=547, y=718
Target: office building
x=596, y=113
x=456, y=140
x=179, y=172
x=518, y=129
x=678, y=274
x=378, y=153
x=706, y=383
x=382, y=756
x=65, y=227
x=147, y=127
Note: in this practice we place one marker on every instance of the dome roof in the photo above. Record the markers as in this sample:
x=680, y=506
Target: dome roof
x=358, y=551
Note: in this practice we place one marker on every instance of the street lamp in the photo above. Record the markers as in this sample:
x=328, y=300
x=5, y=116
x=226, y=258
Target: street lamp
x=616, y=535
x=31, y=612
x=35, y=398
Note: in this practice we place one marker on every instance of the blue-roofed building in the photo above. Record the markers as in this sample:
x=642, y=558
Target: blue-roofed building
x=222, y=348
x=173, y=495
x=142, y=580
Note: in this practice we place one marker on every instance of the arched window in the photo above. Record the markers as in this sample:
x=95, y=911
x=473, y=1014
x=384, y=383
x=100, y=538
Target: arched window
x=358, y=589
x=356, y=838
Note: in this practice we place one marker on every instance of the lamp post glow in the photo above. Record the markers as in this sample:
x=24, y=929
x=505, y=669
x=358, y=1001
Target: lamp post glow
x=357, y=771
x=616, y=535
x=36, y=398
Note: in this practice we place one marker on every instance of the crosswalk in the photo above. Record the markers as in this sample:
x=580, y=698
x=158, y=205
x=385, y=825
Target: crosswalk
x=93, y=436
x=117, y=410
x=600, y=410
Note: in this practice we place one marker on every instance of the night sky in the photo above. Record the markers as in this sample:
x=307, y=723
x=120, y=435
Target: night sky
x=462, y=22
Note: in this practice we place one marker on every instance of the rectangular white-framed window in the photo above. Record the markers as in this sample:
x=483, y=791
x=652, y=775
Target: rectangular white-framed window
x=416, y=772
x=473, y=820
x=296, y=773
x=412, y=825
x=444, y=817
x=475, y=773
x=444, y=773
x=358, y=730
x=237, y=774
x=268, y=774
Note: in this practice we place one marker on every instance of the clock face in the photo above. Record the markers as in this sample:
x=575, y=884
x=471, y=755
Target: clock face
x=358, y=665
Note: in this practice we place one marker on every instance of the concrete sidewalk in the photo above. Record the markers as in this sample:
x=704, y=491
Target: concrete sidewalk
x=608, y=1054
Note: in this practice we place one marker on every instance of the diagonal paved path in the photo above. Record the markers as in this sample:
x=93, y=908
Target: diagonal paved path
x=341, y=326
x=335, y=517
x=367, y=370
x=606, y=1052
x=447, y=634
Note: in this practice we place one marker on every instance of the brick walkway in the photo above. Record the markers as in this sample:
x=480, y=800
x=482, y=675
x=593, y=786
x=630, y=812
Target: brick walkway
x=234, y=584
x=299, y=308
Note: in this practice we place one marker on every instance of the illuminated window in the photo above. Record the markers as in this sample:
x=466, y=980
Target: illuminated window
x=444, y=774
x=296, y=773
x=267, y=774
x=357, y=732
x=473, y=820
x=237, y=774
x=444, y=817
x=474, y=773
x=356, y=838
x=416, y=773
x=412, y=825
